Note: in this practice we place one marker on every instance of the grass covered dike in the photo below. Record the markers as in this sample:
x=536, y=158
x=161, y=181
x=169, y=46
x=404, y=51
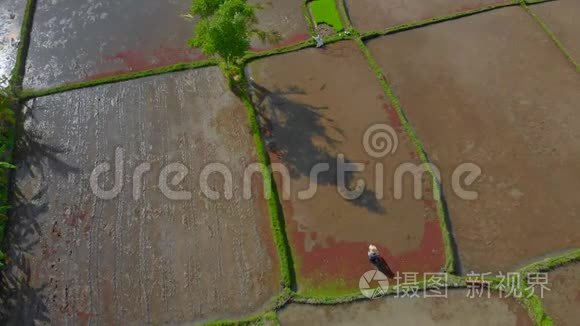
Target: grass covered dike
x=274, y=206
x=7, y=140
x=324, y=11
x=10, y=106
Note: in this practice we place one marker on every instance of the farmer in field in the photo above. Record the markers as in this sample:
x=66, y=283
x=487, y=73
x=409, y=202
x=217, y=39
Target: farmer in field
x=373, y=254
x=379, y=262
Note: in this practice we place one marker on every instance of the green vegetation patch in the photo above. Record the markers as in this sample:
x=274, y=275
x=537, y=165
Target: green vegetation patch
x=325, y=12
x=7, y=123
x=329, y=289
x=25, y=33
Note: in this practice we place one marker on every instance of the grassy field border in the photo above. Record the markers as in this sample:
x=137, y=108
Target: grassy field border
x=275, y=211
x=9, y=118
x=12, y=117
x=308, y=17
x=549, y=32
x=552, y=262
x=23, y=46
x=343, y=13
x=533, y=2
x=533, y=305
x=32, y=93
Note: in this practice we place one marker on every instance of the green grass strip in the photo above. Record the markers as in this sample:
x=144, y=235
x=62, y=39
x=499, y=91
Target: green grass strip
x=308, y=18
x=533, y=304
x=24, y=44
x=271, y=317
x=550, y=263
x=274, y=207
x=532, y=2
x=422, y=285
x=280, y=300
x=435, y=20
x=9, y=109
x=8, y=122
x=295, y=47
x=552, y=36
x=450, y=254
x=287, y=49
x=325, y=12
x=344, y=14
x=31, y=93
x=328, y=300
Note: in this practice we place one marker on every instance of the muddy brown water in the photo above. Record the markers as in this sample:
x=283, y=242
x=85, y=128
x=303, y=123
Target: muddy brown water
x=284, y=17
x=456, y=309
x=136, y=259
x=78, y=40
x=369, y=15
x=74, y=40
x=562, y=296
x=315, y=105
x=476, y=94
x=11, y=13
x=561, y=17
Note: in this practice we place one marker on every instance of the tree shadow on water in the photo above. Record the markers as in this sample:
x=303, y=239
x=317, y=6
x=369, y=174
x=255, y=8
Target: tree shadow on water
x=35, y=159
x=34, y=151
x=301, y=135
x=21, y=302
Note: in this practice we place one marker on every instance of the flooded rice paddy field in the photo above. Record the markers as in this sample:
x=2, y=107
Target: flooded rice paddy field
x=284, y=17
x=456, y=309
x=82, y=40
x=77, y=40
x=490, y=89
x=368, y=15
x=11, y=13
x=316, y=106
x=138, y=256
x=563, y=298
x=475, y=95
x=561, y=18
